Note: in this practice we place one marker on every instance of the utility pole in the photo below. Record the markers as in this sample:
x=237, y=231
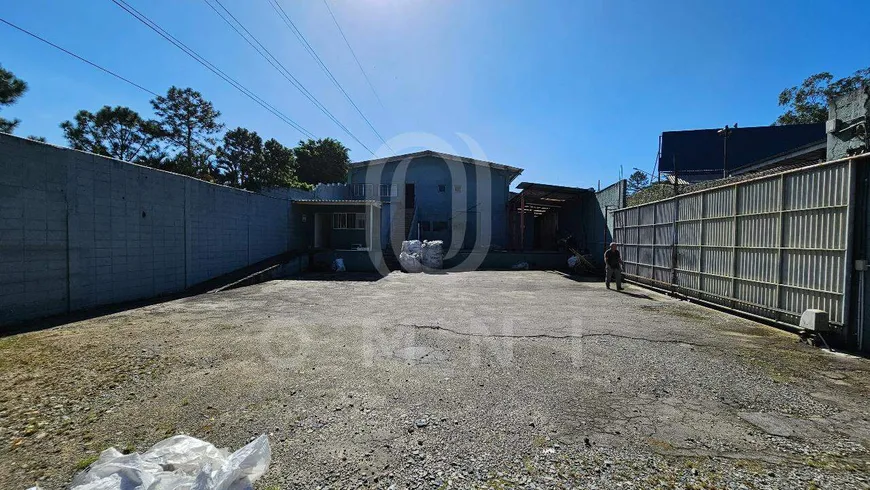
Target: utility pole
x=725, y=132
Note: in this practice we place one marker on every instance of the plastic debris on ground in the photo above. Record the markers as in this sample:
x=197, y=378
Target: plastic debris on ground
x=338, y=265
x=180, y=462
x=572, y=261
x=520, y=266
x=432, y=255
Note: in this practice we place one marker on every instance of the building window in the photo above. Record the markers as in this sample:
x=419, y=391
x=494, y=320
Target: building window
x=457, y=188
x=389, y=190
x=439, y=226
x=362, y=190
x=442, y=188
x=349, y=221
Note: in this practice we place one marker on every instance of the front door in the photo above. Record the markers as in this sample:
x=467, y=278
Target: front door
x=410, y=196
x=322, y=227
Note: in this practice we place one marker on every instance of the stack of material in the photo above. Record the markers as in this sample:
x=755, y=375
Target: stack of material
x=409, y=258
x=432, y=254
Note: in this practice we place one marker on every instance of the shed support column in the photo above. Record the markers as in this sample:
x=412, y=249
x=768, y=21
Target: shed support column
x=522, y=222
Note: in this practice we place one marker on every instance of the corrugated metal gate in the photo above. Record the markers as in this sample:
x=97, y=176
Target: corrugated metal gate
x=771, y=246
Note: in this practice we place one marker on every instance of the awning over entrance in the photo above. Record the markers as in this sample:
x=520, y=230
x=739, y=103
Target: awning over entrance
x=540, y=198
x=533, y=213
x=346, y=224
x=338, y=202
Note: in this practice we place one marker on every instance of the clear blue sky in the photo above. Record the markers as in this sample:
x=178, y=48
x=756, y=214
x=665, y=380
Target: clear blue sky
x=568, y=90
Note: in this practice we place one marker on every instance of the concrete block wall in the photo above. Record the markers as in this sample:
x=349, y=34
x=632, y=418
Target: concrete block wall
x=79, y=230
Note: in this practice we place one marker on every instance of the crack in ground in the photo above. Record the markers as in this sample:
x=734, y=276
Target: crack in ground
x=549, y=336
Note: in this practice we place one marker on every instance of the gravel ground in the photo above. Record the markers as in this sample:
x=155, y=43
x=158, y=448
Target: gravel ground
x=468, y=380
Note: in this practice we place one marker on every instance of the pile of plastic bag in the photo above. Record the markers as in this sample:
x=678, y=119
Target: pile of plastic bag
x=417, y=256
x=432, y=254
x=180, y=462
x=409, y=257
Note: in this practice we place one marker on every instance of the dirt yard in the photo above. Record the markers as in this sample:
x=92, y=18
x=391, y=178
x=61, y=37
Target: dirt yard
x=465, y=380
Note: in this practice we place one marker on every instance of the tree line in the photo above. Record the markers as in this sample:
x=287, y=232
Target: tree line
x=186, y=136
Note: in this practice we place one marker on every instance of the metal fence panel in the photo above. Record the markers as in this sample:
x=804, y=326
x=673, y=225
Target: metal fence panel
x=772, y=246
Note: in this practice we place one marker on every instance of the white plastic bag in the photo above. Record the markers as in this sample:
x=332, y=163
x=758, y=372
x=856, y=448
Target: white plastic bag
x=178, y=463
x=572, y=261
x=432, y=255
x=520, y=266
x=338, y=265
x=410, y=262
x=412, y=246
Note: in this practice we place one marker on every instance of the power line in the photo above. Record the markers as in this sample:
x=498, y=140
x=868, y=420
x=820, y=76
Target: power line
x=210, y=66
x=341, y=31
x=290, y=25
x=110, y=72
x=269, y=57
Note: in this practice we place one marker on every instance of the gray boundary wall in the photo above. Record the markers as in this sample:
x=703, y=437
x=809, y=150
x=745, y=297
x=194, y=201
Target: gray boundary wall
x=771, y=246
x=600, y=213
x=79, y=230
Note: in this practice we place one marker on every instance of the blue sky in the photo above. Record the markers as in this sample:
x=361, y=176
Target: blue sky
x=568, y=90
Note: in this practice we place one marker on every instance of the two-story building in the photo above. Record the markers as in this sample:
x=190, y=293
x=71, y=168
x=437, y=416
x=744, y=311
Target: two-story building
x=436, y=196
x=425, y=195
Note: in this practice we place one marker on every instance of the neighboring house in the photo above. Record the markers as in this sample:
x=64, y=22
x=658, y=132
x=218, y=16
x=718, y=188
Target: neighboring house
x=704, y=154
x=425, y=195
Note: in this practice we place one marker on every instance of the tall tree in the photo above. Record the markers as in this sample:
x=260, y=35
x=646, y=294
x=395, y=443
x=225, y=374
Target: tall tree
x=189, y=125
x=637, y=181
x=279, y=168
x=324, y=160
x=240, y=158
x=117, y=132
x=11, y=89
x=808, y=102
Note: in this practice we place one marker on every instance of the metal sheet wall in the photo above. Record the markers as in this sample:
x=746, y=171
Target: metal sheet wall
x=772, y=246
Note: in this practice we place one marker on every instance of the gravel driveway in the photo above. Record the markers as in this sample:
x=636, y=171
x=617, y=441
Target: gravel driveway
x=464, y=380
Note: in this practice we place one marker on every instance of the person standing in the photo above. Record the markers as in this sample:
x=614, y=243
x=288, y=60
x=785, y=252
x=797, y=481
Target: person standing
x=613, y=267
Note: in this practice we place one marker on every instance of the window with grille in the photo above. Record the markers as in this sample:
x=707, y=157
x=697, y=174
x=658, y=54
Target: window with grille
x=349, y=221
x=362, y=190
x=389, y=190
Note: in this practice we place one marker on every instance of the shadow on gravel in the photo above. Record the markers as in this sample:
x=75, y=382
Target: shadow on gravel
x=335, y=276
x=636, y=295
x=579, y=277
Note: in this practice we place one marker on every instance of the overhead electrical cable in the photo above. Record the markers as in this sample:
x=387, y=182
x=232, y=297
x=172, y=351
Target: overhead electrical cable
x=353, y=53
x=269, y=57
x=311, y=51
x=110, y=72
x=210, y=66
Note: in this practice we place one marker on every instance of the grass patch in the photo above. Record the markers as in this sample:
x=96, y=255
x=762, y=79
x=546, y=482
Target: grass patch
x=660, y=444
x=539, y=441
x=85, y=462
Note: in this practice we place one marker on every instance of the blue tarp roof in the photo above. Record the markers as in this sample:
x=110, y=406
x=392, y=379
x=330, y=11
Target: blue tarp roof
x=701, y=149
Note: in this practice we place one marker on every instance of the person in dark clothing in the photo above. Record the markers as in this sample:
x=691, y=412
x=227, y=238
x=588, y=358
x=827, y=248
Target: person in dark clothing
x=613, y=267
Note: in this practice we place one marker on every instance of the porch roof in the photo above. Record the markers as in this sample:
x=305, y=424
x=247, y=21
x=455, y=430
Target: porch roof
x=338, y=202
